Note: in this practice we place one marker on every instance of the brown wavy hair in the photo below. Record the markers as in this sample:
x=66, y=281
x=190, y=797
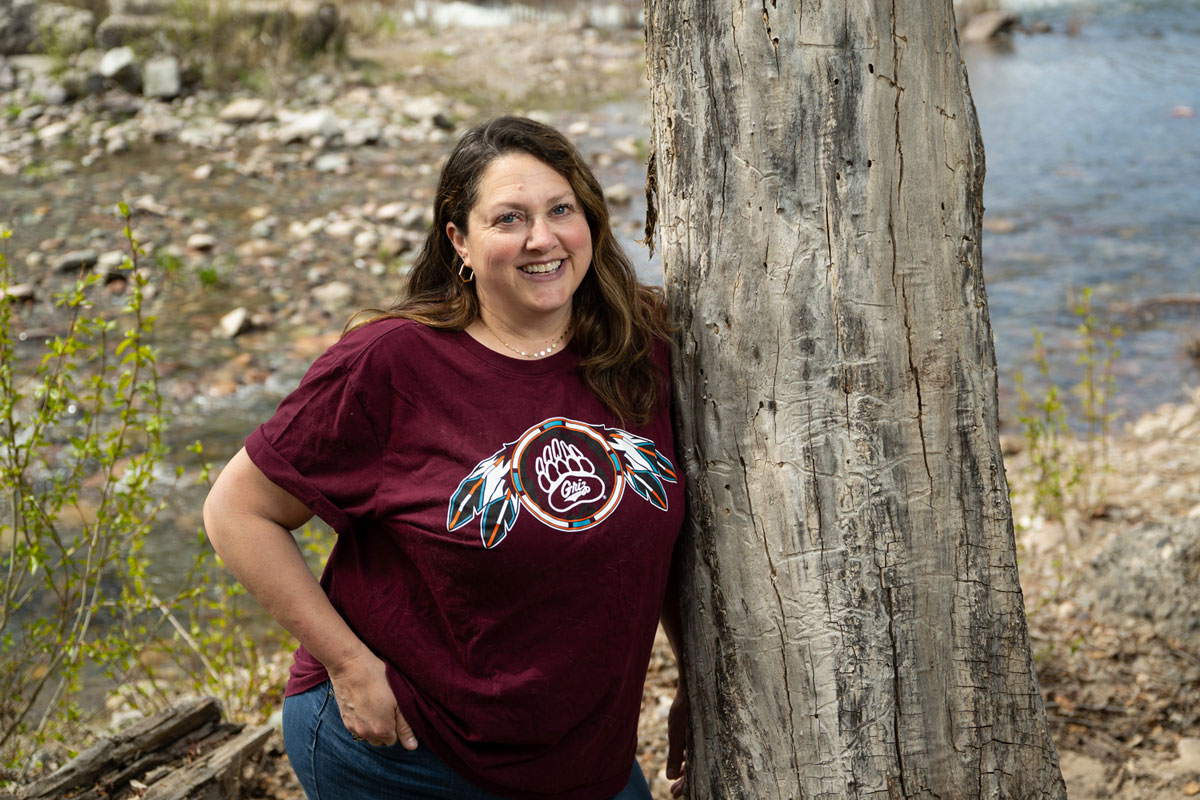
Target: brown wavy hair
x=616, y=320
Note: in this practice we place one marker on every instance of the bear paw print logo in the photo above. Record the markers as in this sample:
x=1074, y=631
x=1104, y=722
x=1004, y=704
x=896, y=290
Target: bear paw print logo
x=567, y=476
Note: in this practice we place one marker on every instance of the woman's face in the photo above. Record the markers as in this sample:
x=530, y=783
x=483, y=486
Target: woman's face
x=528, y=242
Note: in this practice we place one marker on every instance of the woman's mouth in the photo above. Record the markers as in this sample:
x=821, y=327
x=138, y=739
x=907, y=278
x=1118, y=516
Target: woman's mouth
x=543, y=268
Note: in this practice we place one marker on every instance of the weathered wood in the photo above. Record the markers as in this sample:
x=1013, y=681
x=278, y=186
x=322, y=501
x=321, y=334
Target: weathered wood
x=853, y=619
x=217, y=774
x=116, y=752
x=212, y=753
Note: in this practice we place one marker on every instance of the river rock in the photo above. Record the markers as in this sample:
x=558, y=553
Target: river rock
x=234, y=324
x=21, y=292
x=120, y=65
x=989, y=25
x=390, y=211
x=332, y=162
x=305, y=126
x=119, y=29
x=205, y=133
x=117, y=143
x=201, y=242
x=333, y=296
x=17, y=29
x=421, y=109
x=63, y=29
x=1150, y=572
x=366, y=242
x=52, y=133
x=619, y=194
x=161, y=78
x=30, y=113
x=244, y=111
x=341, y=228
x=264, y=228
x=75, y=260
x=362, y=132
x=110, y=261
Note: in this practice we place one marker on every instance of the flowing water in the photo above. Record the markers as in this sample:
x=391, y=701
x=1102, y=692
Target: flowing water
x=1093, y=155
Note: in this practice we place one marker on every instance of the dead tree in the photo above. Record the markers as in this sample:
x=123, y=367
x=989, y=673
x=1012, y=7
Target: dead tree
x=855, y=627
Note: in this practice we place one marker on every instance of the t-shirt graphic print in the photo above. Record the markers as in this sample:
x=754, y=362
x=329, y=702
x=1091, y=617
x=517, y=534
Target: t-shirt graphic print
x=568, y=474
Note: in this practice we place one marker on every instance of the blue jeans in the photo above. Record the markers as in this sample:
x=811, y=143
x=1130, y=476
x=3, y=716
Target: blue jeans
x=332, y=766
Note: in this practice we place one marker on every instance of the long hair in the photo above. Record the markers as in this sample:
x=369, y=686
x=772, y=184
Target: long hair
x=616, y=320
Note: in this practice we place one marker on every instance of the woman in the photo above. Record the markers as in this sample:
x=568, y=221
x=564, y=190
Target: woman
x=495, y=454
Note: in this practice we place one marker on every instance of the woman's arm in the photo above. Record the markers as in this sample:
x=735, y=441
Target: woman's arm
x=677, y=717
x=249, y=521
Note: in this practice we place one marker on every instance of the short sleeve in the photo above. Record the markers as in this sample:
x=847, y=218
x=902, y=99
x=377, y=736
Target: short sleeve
x=321, y=447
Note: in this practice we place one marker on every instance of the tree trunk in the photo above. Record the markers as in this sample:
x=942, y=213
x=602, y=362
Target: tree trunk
x=853, y=619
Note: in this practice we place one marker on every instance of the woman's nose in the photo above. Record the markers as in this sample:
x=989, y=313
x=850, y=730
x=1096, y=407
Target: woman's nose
x=540, y=235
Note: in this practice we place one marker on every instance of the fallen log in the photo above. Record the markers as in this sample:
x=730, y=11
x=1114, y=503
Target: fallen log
x=181, y=753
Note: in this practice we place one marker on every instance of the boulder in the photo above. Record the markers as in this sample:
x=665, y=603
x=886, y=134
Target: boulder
x=117, y=29
x=161, y=78
x=302, y=127
x=234, y=324
x=120, y=65
x=17, y=29
x=989, y=25
x=62, y=28
x=245, y=110
x=75, y=261
x=141, y=8
x=1151, y=572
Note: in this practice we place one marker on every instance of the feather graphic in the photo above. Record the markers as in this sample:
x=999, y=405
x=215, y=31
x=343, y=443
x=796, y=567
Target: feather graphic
x=645, y=467
x=488, y=493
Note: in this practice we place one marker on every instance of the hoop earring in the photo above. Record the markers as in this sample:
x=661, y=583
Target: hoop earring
x=465, y=278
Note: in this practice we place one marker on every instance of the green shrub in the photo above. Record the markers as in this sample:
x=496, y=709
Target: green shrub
x=82, y=463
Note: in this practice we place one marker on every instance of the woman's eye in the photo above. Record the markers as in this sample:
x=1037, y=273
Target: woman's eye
x=508, y=219
x=561, y=209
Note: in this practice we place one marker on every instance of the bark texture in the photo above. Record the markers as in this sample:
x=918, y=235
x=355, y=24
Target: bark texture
x=855, y=627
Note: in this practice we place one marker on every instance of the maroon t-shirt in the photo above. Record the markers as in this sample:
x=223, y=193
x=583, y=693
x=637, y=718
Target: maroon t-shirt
x=503, y=544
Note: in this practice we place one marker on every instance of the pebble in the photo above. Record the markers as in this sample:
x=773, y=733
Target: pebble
x=161, y=78
x=111, y=261
x=389, y=211
x=244, y=111
x=54, y=133
x=21, y=291
x=75, y=260
x=302, y=127
x=120, y=64
x=619, y=195
x=264, y=228
x=201, y=242
x=234, y=324
x=332, y=162
x=366, y=242
x=342, y=228
x=333, y=296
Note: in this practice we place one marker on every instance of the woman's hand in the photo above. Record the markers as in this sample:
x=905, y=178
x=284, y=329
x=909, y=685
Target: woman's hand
x=368, y=707
x=677, y=722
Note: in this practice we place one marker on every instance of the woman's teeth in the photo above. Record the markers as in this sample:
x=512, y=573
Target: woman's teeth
x=541, y=269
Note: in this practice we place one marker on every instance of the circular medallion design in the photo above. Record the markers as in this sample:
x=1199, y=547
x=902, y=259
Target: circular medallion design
x=566, y=474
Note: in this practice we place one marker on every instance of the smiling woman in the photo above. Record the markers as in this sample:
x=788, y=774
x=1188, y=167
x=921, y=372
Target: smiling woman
x=496, y=455
x=530, y=247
